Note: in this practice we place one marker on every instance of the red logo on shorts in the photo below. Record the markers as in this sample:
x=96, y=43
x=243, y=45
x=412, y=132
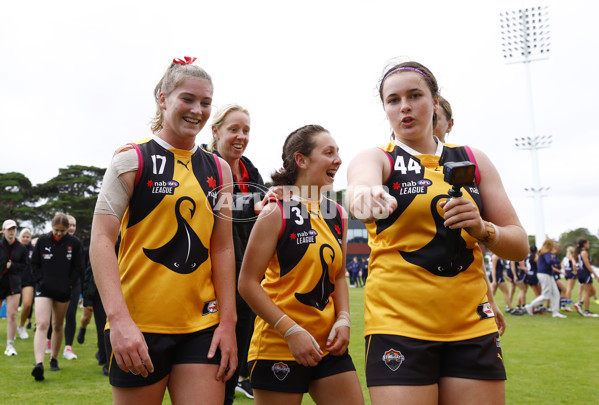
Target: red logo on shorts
x=393, y=359
x=281, y=370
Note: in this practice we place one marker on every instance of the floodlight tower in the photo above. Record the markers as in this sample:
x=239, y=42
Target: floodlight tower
x=525, y=38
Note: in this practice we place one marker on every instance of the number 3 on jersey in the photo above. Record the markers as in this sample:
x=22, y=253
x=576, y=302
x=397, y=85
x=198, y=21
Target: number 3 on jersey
x=401, y=166
x=298, y=213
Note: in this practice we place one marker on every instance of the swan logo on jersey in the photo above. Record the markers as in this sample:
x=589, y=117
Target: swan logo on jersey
x=304, y=237
x=412, y=187
x=393, y=359
x=280, y=370
x=485, y=311
x=69, y=252
x=210, y=307
x=163, y=187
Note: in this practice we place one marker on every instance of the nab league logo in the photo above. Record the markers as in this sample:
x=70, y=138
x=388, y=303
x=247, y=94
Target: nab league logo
x=393, y=359
x=412, y=187
x=210, y=307
x=280, y=370
x=304, y=237
x=163, y=187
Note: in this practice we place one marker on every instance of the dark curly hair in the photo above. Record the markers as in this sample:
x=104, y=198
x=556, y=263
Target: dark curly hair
x=299, y=141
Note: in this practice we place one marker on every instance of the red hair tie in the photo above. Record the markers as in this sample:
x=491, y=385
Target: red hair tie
x=188, y=60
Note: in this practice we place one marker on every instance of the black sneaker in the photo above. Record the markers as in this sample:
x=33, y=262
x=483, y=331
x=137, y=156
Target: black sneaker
x=54, y=365
x=81, y=336
x=29, y=325
x=38, y=372
x=245, y=388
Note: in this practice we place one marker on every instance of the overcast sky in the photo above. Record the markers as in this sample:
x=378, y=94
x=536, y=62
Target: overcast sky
x=76, y=80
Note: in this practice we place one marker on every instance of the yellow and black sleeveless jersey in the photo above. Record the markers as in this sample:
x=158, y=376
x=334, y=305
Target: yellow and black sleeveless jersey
x=164, y=256
x=300, y=278
x=411, y=290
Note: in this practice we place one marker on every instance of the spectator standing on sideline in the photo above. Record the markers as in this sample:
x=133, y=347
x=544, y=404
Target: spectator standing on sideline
x=364, y=270
x=353, y=268
x=13, y=262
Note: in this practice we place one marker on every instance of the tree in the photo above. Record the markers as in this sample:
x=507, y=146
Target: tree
x=74, y=191
x=18, y=200
x=569, y=239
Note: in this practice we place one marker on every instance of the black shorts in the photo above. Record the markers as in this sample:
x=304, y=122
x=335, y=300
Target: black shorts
x=290, y=376
x=398, y=360
x=165, y=351
x=27, y=278
x=59, y=296
x=10, y=284
x=531, y=279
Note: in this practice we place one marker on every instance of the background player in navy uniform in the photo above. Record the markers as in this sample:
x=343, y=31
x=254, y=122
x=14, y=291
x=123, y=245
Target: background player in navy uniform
x=569, y=265
x=585, y=278
x=298, y=247
x=422, y=347
x=547, y=260
x=518, y=269
x=170, y=295
x=498, y=282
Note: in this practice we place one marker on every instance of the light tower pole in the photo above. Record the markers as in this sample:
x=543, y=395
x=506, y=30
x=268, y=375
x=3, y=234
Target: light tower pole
x=525, y=38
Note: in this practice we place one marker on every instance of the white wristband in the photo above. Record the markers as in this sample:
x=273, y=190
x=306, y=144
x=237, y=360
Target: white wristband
x=280, y=319
x=296, y=328
x=342, y=320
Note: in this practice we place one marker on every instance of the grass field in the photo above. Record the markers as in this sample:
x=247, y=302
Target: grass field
x=548, y=361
